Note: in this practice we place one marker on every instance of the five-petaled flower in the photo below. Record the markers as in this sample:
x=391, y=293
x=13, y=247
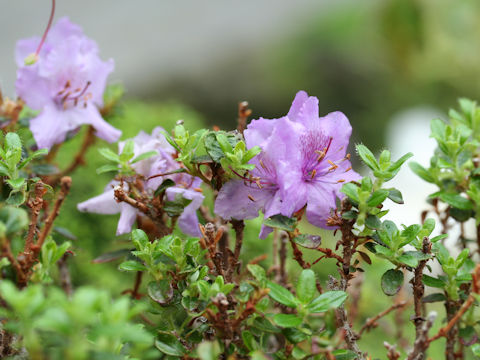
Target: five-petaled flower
x=303, y=163
x=186, y=186
x=66, y=83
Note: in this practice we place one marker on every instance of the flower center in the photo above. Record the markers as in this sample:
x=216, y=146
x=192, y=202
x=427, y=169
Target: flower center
x=70, y=96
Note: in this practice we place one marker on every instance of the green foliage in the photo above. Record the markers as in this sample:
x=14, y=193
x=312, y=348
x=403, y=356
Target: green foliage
x=12, y=162
x=88, y=325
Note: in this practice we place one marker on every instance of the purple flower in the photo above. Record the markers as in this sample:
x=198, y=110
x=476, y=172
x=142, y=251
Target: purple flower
x=303, y=163
x=66, y=84
x=185, y=185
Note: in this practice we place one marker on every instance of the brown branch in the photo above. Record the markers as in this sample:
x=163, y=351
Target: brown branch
x=392, y=353
x=283, y=259
x=243, y=113
x=419, y=288
x=238, y=227
x=7, y=252
x=297, y=254
x=121, y=196
x=79, y=158
x=421, y=342
x=65, y=278
x=65, y=184
x=36, y=205
x=371, y=323
x=211, y=238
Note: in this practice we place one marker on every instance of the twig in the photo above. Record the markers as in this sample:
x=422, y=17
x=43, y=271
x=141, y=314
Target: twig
x=36, y=205
x=238, y=227
x=243, y=113
x=65, y=184
x=211, y=238
x=65, y=278
x=283, y=259
x=79, y=158
x=371, y=323
x=421, y=342
x=419, y=288
x=392, y=353
x=121, y=196
x=297, y=254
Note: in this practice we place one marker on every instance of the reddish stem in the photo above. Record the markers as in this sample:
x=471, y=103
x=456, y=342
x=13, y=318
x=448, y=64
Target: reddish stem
x=52, y=13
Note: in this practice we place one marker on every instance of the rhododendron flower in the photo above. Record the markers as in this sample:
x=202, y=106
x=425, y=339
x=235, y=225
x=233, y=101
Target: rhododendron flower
x=185, y=185
x=66, y=83
x=303, y=163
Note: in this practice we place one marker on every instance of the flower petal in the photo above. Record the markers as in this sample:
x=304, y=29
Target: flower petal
x=128, y=215
x=321, y=200
x=297, y=105
x=239, y=201
x=102, y=204
x=188, y=221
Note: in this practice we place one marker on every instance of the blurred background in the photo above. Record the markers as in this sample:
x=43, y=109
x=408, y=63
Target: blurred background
x=389, y=65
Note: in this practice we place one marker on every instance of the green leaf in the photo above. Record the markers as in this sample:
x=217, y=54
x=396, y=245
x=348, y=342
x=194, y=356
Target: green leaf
x=351, y=190
x=168, y=344
x=160, y=291
x=258, y=272
x=14, y=219
x=367, y=156
x=144, y=156
x=475, y=349
x=16, y=184
x=109, y=154
x=392, y=281
x=249, y=341
x=281, y=295
x=408, y=260
x=12, y=142
x=373, y=222
x=397, y=164
x=438, y=127
x=433, y=282
x=456, y=201
x=287, y=320
x=281, y=222
x=438, y=237
x=421, y=172
x=35, y=155
x=164, y=186
x=107, y=168
x=377, y=197
x=131, y=265
x=326, y=301
x=111, y=256
x=139, y=239
x=44, y=169
x=306, y=286
x=176, y=207
x=344, y=354
x=308, y=241
x=395, y=195
x=437, y=297
x=128, y=151
x=209, y=350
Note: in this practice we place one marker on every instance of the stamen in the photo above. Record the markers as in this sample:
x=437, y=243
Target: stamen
x=262, y=164
x=321, y=154
x=347, y=156
x=333, y=167
x=341, y=181
x=348, y=169
x=314, y=172
x=200, y=190
x=251, y=197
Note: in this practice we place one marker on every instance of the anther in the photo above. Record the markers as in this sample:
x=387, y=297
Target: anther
x=341, y=181
x=200, y=190
x=251, y=197
x=347, y=156
x=314, y=172
x=348, y=169
x=262, y=164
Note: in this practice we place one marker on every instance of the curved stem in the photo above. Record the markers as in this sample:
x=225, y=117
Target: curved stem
x=50, y=20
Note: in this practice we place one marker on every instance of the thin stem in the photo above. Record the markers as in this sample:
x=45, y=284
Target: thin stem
x=65, y=184
x=50, y=20
x=372, y=322
x=79, y=158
